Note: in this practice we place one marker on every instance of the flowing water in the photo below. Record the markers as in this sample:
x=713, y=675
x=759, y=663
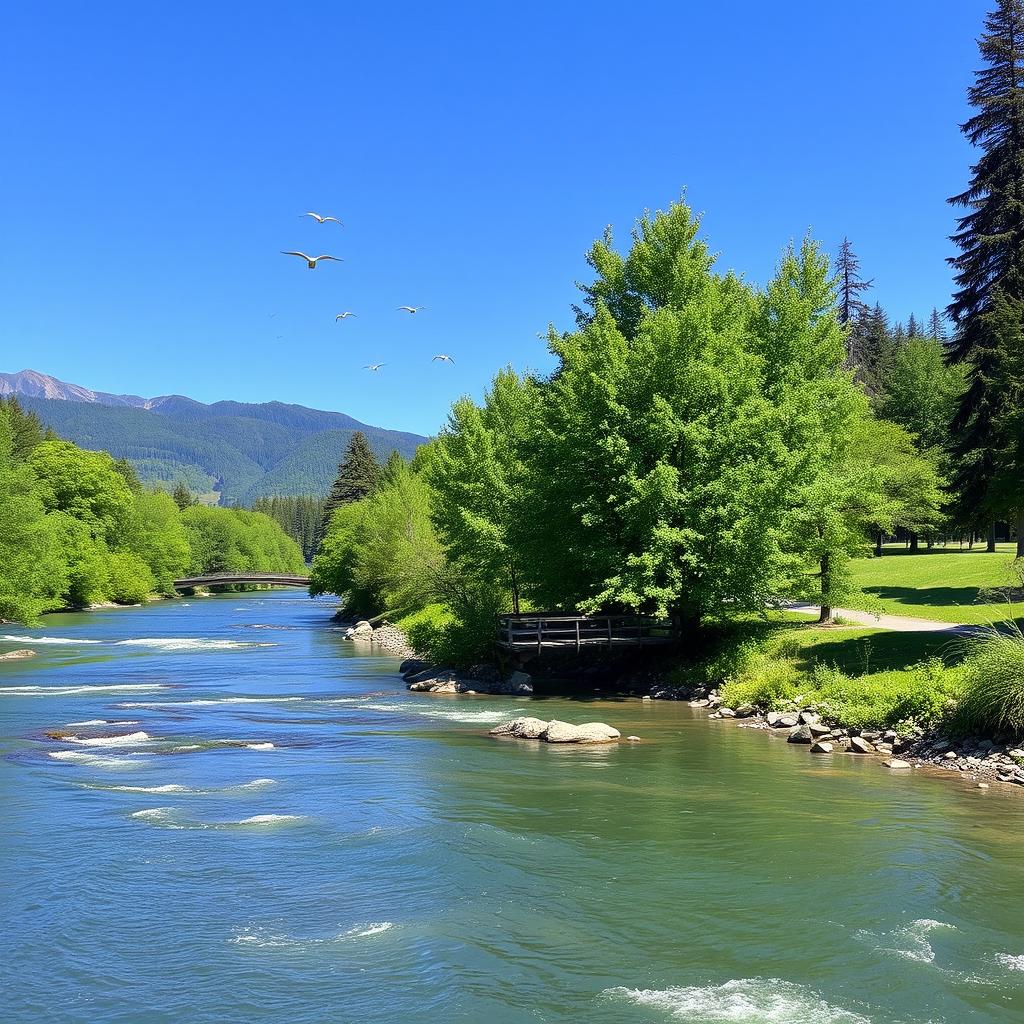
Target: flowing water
x=245, y=821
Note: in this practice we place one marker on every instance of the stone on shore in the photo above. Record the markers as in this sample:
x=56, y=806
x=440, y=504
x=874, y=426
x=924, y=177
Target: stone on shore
x=817, y=729
x=18, y=655
x=859, y=745
x=801, y=734
x=821, y=747
x=895, y=762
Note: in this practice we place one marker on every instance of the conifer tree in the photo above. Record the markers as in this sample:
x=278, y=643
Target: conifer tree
x=990, y=266
x=358, y=474
x=913, y=331
x=182, y=496
x=937, y=326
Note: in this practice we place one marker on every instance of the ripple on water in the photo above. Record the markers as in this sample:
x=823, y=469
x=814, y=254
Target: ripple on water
x=910, y=941
x=1011, y=961
x=51, y=640
x=168, y=817
x=190, y=643
x=74, y=691
x=746, y=1001
x=87, y=760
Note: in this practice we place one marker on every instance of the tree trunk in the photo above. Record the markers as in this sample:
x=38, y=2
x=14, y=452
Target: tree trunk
x=1020, y=535
x=991, y=544
x=826, y=587
x=878, y=544
x=913, y=543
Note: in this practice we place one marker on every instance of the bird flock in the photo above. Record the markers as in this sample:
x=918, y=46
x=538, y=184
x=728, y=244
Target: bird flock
x=312, y=261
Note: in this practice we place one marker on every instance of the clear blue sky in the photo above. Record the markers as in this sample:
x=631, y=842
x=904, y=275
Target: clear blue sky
x=158, y=157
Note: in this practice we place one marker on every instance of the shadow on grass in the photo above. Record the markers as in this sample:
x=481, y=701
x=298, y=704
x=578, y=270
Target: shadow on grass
x=943, y=597
x=880, y=652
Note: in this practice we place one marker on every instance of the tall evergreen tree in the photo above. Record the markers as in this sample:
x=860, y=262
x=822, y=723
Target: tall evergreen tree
x=182, y=496
x=913, y=331
x=358, y=474
x=937, y=326
x=990, y=266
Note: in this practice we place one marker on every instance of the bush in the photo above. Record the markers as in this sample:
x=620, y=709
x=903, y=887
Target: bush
x=450, y=639
x=922, y=694
x=766, y=681
x=993, y=697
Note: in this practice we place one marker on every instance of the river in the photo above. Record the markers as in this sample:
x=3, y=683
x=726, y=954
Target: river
x=254, y=823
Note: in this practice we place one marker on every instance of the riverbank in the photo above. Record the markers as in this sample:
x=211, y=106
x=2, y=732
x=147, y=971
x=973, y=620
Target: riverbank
x=783, y=677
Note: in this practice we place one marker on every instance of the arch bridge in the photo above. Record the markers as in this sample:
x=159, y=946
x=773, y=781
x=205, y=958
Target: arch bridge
x=267, y=579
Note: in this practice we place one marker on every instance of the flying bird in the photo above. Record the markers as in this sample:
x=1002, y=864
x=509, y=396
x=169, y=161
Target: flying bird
x=310, y=260
x=343, y=316
x=323, y=220
x=374, y=366
x=411, y=309
x=443, y=358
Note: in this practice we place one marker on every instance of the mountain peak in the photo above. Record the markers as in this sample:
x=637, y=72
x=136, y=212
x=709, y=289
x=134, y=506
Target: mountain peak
x=34, y=384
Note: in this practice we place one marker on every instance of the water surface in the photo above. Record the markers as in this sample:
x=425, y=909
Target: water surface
x=247, y=821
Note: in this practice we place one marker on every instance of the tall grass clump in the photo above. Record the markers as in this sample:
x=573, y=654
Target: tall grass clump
x=993, y=696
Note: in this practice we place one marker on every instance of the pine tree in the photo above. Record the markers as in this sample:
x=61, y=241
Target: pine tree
x=937, y=326
x=913, y=331
x=989, y=278
x=358, y=474
x=182, y=496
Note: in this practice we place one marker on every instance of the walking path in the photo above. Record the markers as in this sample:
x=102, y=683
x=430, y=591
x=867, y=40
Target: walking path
x=897, y=623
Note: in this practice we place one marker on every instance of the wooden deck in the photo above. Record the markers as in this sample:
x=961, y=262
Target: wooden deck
x=542, y=631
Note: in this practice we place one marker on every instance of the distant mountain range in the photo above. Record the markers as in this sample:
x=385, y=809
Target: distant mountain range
x=228, y=451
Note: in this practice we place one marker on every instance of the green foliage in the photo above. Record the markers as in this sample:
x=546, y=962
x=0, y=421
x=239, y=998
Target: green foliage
x=358, y=474
x=993, y=699
x=381, y=553
x=300, y=517
x=77, y=528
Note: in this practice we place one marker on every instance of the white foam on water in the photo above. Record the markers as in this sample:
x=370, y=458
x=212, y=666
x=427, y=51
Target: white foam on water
x=260, y=746
x=73, y=691
x=1010, y=961
x=95, y=760
x=98, y=721
x=128, y=739
x=445, y=714
x=190, y=643
x=53, y=640
x=910, y=941
x=262, y=939
x=268, y=819
x=744, y=1001
x=162, y=816
x=175, y=787
x=204, y=701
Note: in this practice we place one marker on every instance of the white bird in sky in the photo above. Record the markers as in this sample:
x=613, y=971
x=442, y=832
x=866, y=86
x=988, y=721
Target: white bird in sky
x=443, y=358
x=411, y=309
x=323, y=220
x=374, y=366
x=343, y=316
x=310, y=260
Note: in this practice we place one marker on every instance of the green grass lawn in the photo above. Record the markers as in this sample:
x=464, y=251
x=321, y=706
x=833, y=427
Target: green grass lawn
x=944, y=584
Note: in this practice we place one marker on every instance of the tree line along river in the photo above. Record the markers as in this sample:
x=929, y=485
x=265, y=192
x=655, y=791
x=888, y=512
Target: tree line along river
x=244, y=819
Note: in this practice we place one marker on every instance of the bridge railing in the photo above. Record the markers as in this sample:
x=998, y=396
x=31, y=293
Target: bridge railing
x=542, y=630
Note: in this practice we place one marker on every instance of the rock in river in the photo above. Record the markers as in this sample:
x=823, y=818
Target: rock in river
x=22, y=652
x=859, y=745
x=801, y=734
x=821, y=747
x=557, y=731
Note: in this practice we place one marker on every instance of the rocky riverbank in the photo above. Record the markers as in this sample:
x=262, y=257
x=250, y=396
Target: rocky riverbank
x=974, y=758
x=388, y=638
x=423, y=677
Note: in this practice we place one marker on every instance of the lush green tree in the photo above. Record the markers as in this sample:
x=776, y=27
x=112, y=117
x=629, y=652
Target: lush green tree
x=666, y=448
x=476, y=471
x=232, y=539
x=990, y=237
x=156, y=535
x=382, y=553
x=922, y=391
x=86, y=485
x=358, y=474
x=300, y=517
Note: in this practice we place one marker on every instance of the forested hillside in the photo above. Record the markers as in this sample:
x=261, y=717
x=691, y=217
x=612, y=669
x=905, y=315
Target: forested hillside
x=231, y=452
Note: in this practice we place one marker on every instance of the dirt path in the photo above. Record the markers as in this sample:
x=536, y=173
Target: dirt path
x=897, y=623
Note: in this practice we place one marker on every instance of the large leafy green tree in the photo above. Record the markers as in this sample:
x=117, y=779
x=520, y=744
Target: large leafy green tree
x=678, y=424
x=476, y=470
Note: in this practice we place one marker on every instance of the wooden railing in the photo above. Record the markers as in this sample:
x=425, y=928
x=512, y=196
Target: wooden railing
x=542, y=630
x=276, y=579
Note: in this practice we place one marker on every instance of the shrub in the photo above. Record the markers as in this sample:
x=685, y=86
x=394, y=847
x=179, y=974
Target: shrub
x=993, y=697
x=766, y=681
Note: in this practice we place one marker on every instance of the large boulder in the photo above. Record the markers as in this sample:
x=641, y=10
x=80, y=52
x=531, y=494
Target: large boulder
x=521, y=728
x=596, y=732
x=18, y=655
x=519, y=684
x=801, y=734
x=859, y=745
x=821, y=747
x=560, y=732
